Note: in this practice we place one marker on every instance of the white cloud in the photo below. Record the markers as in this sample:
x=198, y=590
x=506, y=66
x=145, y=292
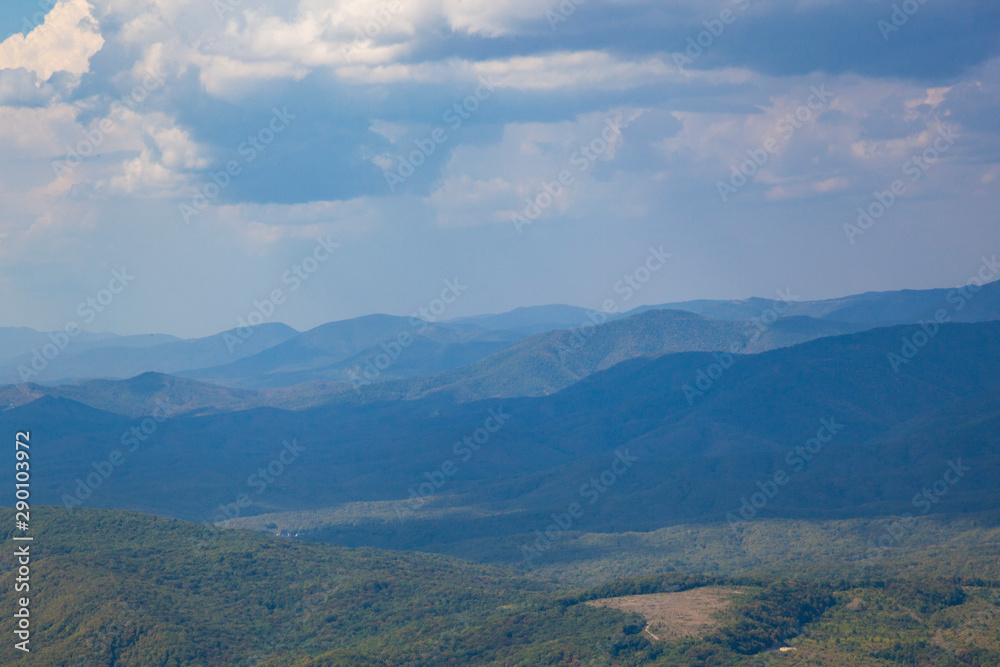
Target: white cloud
x=142, y=173
x=229, y=78
x=803, y=190
x=391, y=131
x=567, y=69
x=165, y=153
x=31, y=133
x=461, y=201
x=263, y=225
x=64, y=43
x=488, y=184
x=19, y=87
x=494, y=19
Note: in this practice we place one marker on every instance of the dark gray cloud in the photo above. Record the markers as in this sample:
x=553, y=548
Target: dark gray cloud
x=656, y=183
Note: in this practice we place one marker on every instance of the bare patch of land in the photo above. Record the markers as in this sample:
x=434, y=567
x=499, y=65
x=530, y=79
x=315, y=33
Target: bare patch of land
x=673, y=615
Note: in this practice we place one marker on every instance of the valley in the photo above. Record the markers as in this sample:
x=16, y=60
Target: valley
x=554, y=502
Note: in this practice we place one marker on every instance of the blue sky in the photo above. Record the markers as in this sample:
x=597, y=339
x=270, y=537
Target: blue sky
x=645, y=124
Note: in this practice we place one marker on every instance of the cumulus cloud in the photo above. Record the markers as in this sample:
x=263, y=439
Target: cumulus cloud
x=581, y=69
x=64, y=43
x=493, y=19
x=367, y=81
x=561, y=163
x=19, y=87
x=229, y=78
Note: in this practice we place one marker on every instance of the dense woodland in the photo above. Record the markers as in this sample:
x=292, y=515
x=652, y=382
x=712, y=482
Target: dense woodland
x=848, y=563
x=114, y=587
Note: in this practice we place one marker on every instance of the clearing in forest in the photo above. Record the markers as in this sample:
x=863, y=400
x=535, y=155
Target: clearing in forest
x=673, y=615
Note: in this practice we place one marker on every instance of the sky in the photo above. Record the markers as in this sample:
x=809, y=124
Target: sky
x=350, y=157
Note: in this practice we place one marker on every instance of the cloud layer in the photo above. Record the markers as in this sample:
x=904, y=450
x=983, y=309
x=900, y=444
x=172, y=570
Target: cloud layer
x=207, y=144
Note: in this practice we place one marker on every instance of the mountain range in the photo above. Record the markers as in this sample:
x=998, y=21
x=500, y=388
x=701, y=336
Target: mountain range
x=706, y=432
x=478, y=357
x=663, y=449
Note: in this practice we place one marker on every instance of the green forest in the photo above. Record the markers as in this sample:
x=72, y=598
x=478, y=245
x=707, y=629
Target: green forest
x=112, y=587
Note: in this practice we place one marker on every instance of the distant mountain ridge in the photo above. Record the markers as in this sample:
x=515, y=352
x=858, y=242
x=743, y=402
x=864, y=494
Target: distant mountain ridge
x=969, y=304
x=17, y=342
x=531, y=319
x=144, y=395
x=84, y=359
x=361, y=351
x=304, y=371
x=548, y=362
x=896, y=432
x=482, y=354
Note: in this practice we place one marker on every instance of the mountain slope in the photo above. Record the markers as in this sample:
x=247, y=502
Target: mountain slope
x=700, y=453
x=119, y=588
x=18, y=341
x=549, y=362
x=128, y=589
x=348, y=350
x=143, y=395
x=111, y=360
x=872, y=309
x=531, y=319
